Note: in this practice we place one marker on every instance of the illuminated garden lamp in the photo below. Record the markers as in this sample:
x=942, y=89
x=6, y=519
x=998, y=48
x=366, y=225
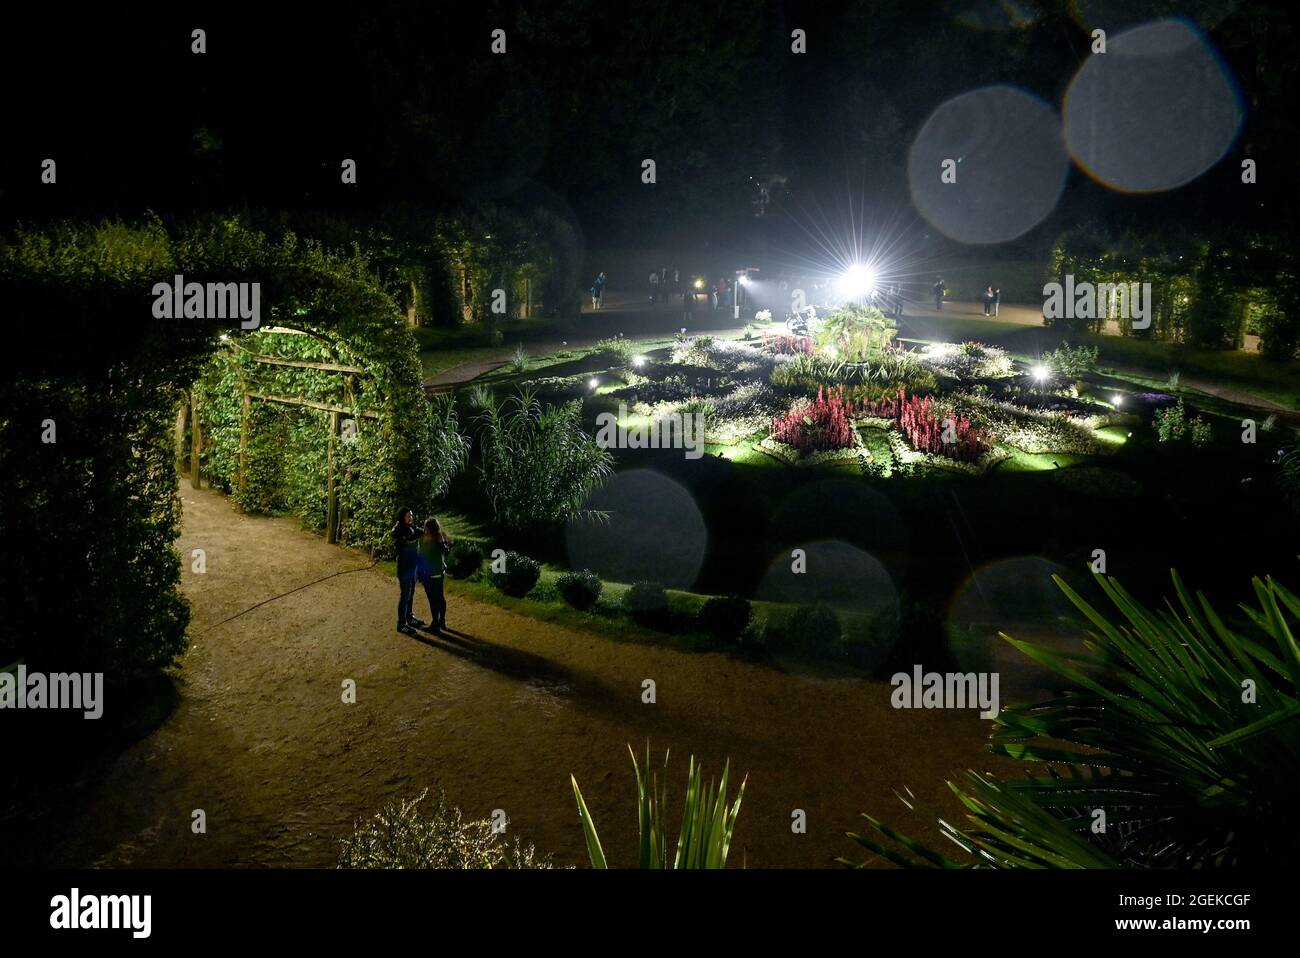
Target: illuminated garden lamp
x=857, y=282
x=1117, y=400
x=699, y=283
x=593, y=382
x=1041, y=373
x=638, y=360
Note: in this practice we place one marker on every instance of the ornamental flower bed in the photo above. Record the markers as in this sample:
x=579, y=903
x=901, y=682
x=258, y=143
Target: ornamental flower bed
x=816, y=425
x=918, y=419
x=783, y=345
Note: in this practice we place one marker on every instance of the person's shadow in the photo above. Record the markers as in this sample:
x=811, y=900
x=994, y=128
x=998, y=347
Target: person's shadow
x=499, y=658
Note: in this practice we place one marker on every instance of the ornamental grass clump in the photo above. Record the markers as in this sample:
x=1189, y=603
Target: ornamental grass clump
x=708, y=820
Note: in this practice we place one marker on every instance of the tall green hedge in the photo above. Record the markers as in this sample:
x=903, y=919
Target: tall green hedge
x=89, y=576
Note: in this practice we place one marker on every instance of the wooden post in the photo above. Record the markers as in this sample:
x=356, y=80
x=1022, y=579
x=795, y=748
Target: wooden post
x=196, y=443
x=182, y=420
x=331, y=487
x=245, y=425
x=528, y=297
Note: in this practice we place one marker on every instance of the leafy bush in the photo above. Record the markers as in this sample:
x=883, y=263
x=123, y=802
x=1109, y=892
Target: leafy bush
x=579, y=589
x=751, y=399
x=695, y=352
x=1172, y=424
x=616, y=351
x=1201, y=431
x=701, y=405
x=465, y=558
x=519, y=575
x=646, y=601
x=969, y=360
x=554, y=387
x=398, y=836
x=538, y=466
x=816, y=625
x=1072, y=361
x=1193, y=773
x=816, y=425
x=725, y=617
x=707, y=821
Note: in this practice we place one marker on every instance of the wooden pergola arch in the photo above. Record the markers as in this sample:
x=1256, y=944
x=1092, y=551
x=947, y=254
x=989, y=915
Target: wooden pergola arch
x=188, y=414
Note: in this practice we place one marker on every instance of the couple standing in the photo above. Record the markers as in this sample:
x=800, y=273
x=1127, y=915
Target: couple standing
x=420, y=557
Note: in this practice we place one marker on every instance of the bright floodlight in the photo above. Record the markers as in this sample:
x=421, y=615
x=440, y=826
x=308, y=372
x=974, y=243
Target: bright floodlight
x=1041, y=373
x=699, y=284
x=744, y=279
x=593, y=382
x=858, y=281
x=1117, y=400
x=638, y=360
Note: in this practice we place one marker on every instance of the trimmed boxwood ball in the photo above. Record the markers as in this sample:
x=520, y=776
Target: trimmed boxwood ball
x=725, y=617
x=466, y=558
x=579, y=589
x=645, y=599
x=520, y=575
x=815, y=625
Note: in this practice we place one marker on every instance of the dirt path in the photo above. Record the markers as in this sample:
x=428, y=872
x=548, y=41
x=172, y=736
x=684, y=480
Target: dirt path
x=499, y=717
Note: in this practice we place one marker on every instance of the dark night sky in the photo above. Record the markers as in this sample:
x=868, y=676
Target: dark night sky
x=585, y=92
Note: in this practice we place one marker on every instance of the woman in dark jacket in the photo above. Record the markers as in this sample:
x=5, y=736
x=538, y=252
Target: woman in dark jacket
x=406, y=539
x=434, y=546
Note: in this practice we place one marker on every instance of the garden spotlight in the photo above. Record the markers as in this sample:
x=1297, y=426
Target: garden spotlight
x=858, y=281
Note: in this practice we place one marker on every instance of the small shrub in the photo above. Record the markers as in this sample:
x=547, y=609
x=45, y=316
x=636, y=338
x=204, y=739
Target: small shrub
x=579, y=589
x=969, y=360
x=1072, y=361
x=465, y=558
x=1171, y=422
x=520, y=575
x=646, y=601
x=543, y=592
x=1201, y=431
x=398, y=836
x=725, y=617
x=817, y=626
x=616, y=351
x=751, y=399
x=699, y=404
